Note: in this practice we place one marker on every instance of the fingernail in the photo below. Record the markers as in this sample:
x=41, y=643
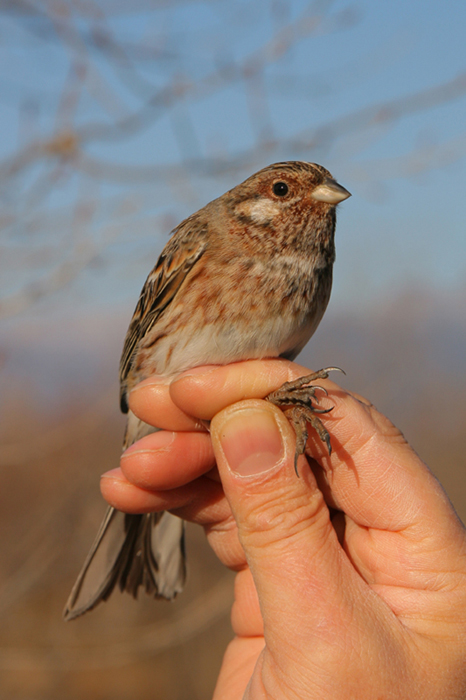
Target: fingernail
x=159, y=442
x=251, y=441
x=197, y=371
x=153, y=380
x=115, y=474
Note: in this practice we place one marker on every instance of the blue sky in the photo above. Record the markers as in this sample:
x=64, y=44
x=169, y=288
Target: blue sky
x=404, y=224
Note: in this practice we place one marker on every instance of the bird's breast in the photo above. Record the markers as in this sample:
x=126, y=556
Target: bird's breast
x=245, y=310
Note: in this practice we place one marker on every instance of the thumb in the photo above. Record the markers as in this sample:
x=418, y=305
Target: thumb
x=283, y=522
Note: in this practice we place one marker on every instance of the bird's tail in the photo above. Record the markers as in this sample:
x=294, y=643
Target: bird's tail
x=131, y=551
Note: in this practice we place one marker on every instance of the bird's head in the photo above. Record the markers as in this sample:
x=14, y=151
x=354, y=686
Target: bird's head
x=282, y=192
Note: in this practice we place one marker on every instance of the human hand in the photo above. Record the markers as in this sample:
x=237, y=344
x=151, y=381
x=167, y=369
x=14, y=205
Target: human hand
x=351, y=579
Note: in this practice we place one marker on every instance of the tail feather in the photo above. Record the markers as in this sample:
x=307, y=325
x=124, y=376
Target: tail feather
x=131, y=551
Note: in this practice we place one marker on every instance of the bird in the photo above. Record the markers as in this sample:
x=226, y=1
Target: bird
x=248, y=276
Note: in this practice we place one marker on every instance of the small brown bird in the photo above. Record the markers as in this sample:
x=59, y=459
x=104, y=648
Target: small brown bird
x=248, y=276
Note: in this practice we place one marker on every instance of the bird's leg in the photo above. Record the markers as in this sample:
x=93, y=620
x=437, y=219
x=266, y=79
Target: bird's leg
x=298, y=395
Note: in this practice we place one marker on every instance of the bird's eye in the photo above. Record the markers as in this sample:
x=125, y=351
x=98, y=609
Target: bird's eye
x=280, y=189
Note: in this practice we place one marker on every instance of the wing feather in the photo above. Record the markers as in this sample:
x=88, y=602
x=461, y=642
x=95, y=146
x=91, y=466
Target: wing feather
x=177, y=259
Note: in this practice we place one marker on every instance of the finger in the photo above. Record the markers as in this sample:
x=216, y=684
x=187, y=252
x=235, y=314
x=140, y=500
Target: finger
x=192, y=498
x=246, y=618
x=151, y=402
x=400, y=525
x=167, y=460
x=373, y=474
x=202, y=502
x=205, y=391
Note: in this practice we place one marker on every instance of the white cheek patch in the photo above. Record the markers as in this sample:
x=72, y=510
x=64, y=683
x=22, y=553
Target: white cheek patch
x=261, y=211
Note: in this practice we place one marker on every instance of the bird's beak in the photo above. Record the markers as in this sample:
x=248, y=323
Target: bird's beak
x=331, y=192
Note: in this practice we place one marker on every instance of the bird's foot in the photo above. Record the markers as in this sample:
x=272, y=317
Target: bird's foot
x=298, y=396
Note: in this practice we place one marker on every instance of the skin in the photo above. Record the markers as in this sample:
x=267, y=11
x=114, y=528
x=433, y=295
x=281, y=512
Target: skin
x=351, y=579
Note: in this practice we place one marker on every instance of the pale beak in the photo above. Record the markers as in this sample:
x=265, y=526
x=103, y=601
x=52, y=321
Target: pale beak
x=331, y=192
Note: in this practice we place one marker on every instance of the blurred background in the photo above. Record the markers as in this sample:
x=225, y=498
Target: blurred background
x=118, y=118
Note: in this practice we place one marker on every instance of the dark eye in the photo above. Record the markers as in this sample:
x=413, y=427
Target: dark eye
x=280, y=189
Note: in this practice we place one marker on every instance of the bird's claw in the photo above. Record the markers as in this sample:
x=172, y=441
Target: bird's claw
x=299, y=395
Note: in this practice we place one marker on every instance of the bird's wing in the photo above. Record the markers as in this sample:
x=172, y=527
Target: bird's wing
x=179, y=256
